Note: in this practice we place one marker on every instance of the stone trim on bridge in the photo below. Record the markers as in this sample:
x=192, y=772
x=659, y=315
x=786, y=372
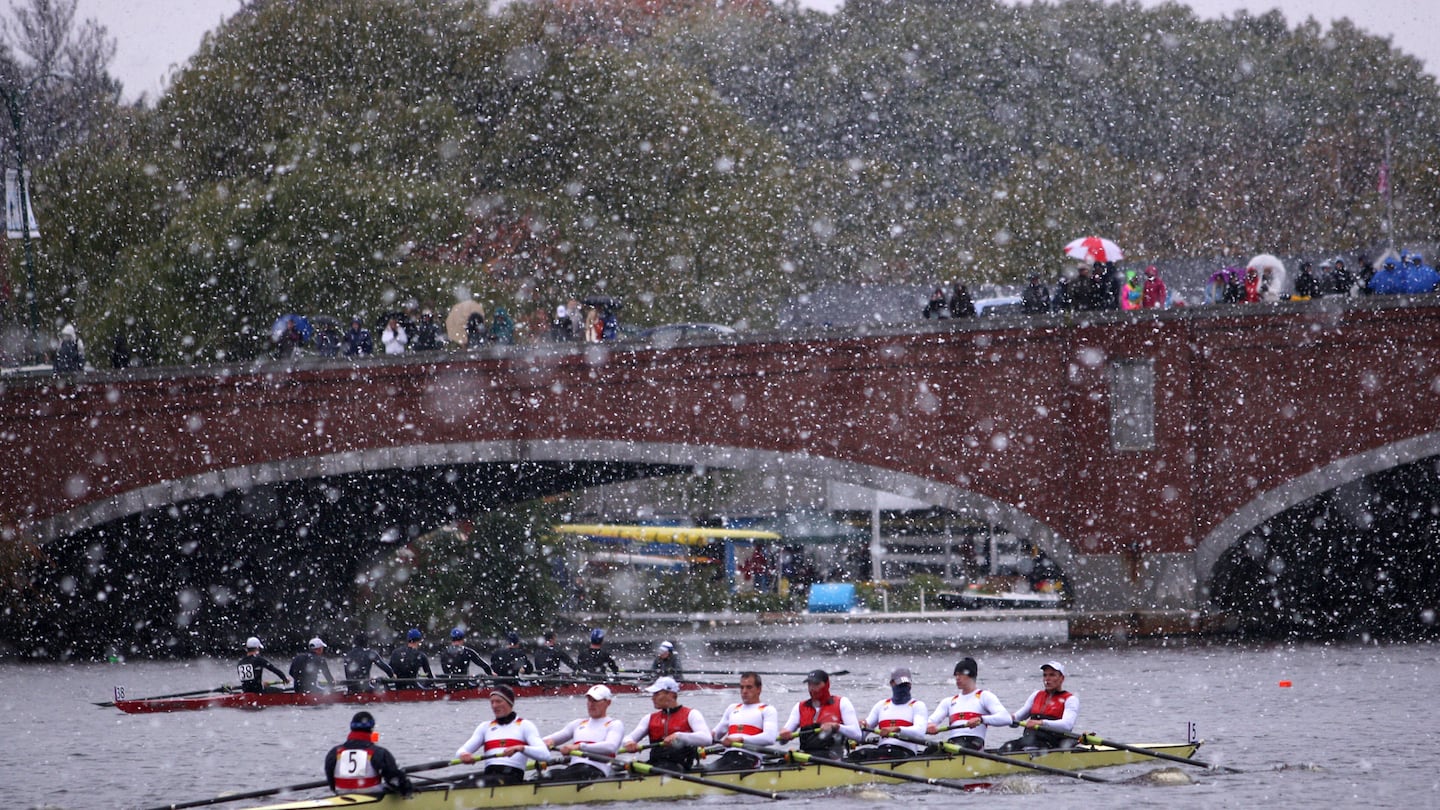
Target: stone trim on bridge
x=1298, y=490
x=413, y=456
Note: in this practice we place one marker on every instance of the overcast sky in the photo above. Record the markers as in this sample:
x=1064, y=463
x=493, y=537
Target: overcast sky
x=156, y=36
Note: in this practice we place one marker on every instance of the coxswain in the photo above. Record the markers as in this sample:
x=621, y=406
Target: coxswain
x=357, y=663
x=898, y=721
x=511, y=660
x=505, y=742
x=674, y=733
x=307, y=667
x=358, y=765
x=749, y=722
x=595, y=659
x=1047, y=713
x=595, y=733
x=823, y=722
x=408, y=661
x=549, y=657
x=251, y=669
x=455, y=661
x=963, y=716
x=667, y=662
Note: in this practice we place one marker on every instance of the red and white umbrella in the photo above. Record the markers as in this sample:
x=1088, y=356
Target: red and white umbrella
x=1094, y=249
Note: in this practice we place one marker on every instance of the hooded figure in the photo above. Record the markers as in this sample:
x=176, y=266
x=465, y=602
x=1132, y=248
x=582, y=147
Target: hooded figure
x=70, y=356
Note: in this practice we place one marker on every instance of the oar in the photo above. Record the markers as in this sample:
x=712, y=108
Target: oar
x=646, y=769
x=257, y=794
x=802, y=757
x=953, y=749
x=224, y=687
x=1094, y=739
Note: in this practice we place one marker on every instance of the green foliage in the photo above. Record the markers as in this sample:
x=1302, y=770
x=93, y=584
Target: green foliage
x=496, y=575
x=341, y=156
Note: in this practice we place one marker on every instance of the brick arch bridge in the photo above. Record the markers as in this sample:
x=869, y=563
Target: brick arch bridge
x=1134, y=449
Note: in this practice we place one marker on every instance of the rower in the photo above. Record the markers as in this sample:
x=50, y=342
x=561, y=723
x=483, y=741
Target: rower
x=596, y=733
x=408, y=661
x=549, y=657
x=1047, y=713
x=596, y=659
x=667, y=662
x=358, y=765
x=969, y=711
x=674, y=733
x=251, y=669
x=824, y=722
x=507, y=742
x=455, y=661
x=748, y=722
x=357, y=663
x=307, y=667
x=511, y=661
x=899, y=720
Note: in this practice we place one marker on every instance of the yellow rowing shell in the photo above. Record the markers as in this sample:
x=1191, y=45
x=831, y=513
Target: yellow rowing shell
x=789, y=778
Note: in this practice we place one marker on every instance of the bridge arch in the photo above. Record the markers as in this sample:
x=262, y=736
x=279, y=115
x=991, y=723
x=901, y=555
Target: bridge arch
x=1275, y=501
x=640, y=455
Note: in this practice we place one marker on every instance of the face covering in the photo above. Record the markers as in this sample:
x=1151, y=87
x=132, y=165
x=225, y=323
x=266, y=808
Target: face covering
x=900, y=693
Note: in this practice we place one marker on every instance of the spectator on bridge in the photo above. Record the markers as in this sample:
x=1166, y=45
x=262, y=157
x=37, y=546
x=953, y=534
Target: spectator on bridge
x=1340, y=281
x=1085, y=289
x=1387, y=280
x=591, y=327
x=562, y=328
x=935, y=307
x=1307, y=284
x=70, y=356
x=357, y=340
x=609, y=325
x=1035, y=298
x=1252, y=286
x=475, y=330
x=961, y=304
x=1064, y=298
x=119, y=350
x=394, y=338
x=427, y=333
x=1108, y=283
x=1154, y=294
x=577, y=320
x=502, y=328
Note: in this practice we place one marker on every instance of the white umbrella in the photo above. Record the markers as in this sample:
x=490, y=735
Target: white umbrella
x=1094, y=249
x=1272, y=274
x=458, y=317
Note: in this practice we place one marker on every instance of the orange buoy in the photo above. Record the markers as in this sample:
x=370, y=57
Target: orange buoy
x=1285, y=684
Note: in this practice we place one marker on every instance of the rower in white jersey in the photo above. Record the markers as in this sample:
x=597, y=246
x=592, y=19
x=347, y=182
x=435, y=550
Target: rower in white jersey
x=963, y=716
x=898, y=722
x=507, y=742
x=596, y=733
x=747, y=723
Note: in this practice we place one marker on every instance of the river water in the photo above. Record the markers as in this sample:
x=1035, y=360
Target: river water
x=1340, y=734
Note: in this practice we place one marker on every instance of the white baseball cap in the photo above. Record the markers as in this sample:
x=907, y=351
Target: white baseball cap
x=253, y=643
x=316, y=642
x=665, y=645
x=666, y=684
x=1055, y=665
x=599, y=692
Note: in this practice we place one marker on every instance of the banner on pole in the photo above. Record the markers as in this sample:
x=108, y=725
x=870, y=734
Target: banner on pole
x=12, y=206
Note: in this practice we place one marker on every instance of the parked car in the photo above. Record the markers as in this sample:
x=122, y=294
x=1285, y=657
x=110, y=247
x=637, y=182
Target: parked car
x=672, y=334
